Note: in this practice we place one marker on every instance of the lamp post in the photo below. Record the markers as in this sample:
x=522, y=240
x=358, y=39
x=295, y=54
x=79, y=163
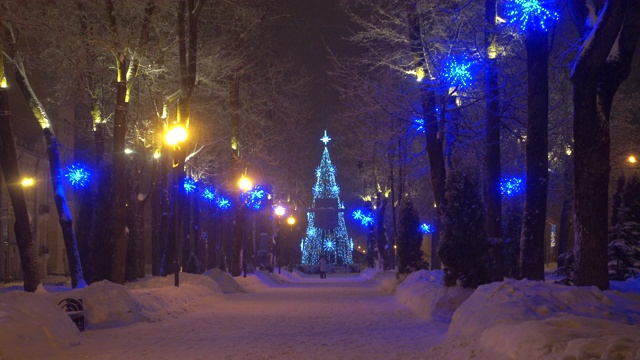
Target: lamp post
x=291, y=221
x=173, y=138
x=279, y=211
x=245, y=185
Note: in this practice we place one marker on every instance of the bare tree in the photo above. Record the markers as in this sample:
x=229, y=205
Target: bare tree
x=27, y=245
x=40, y=114
x=602, y=64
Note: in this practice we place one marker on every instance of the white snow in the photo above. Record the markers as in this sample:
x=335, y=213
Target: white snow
x=372, y=315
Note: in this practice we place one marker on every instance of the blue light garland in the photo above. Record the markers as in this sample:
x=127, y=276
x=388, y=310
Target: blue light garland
x=209, y=194
x=223, y=203
x=511, y=186
x=531, y=13
x=366, y=218
x=77, y=175
x=189, y=185
x=457, y=72
x=418, y=124
x=255, y=198
x=426, y=228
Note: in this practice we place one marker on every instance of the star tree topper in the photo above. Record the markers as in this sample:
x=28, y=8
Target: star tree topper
x=325, y=139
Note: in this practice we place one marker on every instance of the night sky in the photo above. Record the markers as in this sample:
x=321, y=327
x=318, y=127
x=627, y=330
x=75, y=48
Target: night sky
x=312, y=27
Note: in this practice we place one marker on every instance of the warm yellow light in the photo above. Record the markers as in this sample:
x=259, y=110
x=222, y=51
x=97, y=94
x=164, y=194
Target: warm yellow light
x=632, y=159
x=156, y=154
x=291, y=220
x=3, y=83
x=128, y=151
x=245, y=184
x=176, y=135
x=279, y=210
x=395, y=246
x=26, y=182
x=419, y=74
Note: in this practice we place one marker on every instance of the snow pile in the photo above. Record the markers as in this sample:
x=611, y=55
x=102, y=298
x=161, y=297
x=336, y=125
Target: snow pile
x=228, y=285
x=32, y=326
x=384, y=281
x=423, y=292
x=537, y=320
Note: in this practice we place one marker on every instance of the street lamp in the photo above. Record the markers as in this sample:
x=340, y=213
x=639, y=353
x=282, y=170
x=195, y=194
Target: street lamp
x=173, y=138
x=28, y=182
x=176, y=135
x=291, y=221
x=245, y=184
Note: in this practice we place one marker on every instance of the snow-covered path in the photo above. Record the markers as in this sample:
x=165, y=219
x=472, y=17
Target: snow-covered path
x=341, y=317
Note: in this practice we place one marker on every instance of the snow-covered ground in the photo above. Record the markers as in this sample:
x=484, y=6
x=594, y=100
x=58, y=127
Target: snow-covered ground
x=347, y=316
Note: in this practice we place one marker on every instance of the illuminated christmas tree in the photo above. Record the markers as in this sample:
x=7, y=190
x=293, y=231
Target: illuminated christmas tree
x=327, y=232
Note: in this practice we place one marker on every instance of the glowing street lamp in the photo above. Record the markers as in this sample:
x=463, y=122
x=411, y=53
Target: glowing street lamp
x=175, y=136
x=245, y=184
x=291, y=220
x=28, y=182
x=279, y=210
x=632, y=159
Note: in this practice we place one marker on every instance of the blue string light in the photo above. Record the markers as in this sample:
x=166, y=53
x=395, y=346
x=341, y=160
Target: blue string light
x=255, y=198
x=365, y=218
x=223, y=203
x=209, y=194
x=426, y=228
x=189, y=185
x=77, y=175
x=457, y=72
x=531, y=13
x=511, y=186
x=418, y=124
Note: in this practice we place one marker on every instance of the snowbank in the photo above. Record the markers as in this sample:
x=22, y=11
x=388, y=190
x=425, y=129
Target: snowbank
x=35, y=318
x=32, y=325
x=228, y=285
x=423, y=292
x=385, y=281
x=537, y=320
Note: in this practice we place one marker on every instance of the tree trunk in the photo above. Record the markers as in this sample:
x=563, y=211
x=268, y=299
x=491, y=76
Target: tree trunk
x=27, y=245
x=381, y=231
x=492, y=157
x=596, y=78
x=64, y=214
x=238, y=239
x=119, y=201
x=535, y=207
x=434, y=138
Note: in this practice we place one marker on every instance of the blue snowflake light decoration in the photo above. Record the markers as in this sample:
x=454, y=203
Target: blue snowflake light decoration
x=426, y=228
x=418, y=124
x=209, y=194
x=256, y=197
x=365, y=218
x=531, y=13
x=223, y=203
x=189, y=185
x=511, y=186
x=329, y=245
x=77, y=175
x=457, y=72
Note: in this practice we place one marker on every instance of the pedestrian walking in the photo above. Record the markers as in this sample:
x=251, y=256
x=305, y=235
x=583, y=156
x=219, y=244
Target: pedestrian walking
x=323, y=267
